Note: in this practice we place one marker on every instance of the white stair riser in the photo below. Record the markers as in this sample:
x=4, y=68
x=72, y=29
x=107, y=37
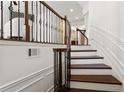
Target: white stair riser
x=91, y=71
x=83, y=53
x=81, y=48
x=86, y=61
x=96, y=86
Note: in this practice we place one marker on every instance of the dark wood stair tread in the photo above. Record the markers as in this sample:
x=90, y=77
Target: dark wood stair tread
x=105, y=79
x=87, y=57
x=81, y=45
x=90, y=66
x=84, y=90
x=83, y=50
x=64, y=89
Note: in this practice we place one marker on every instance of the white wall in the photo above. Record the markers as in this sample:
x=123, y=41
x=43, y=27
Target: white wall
x=106, y=25
x=19, y=72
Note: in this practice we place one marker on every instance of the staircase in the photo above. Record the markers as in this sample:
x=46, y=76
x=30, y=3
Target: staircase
x=89, y=73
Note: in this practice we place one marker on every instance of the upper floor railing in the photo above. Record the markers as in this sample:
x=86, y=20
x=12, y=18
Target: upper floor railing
x=79, y=37
x=31, y=21
x=34, y=21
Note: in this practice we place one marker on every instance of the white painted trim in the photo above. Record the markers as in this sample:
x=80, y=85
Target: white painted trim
x=17, y=43
x=51, y=89
x=117, y=60
x=31, y=83
x=23, y=79
x=108, y=33
x=50, y=73
x=35, y=81
x=118, y=45
x=111, y=57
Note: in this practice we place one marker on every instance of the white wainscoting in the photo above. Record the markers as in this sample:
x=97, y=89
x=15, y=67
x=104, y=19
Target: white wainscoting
x=39, y=81
x=111, y=47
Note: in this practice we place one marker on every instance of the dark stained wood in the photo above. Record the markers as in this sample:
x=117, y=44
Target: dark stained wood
x=31, y=42
x=87, y=57
x=64, y=89
x=81, y=45
x=65, y=37
x=50, y=8
x=84, y=90
x=83, y=50
x=90, y=66
x=60, y=49
x=104, y=79
x=73, y=42
x=27, y=27
x=17, y=37
x=60, y=69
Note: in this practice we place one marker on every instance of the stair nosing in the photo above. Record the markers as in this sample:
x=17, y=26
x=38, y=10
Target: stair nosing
x=87, y=50
x=91, y=66
x=87, y=57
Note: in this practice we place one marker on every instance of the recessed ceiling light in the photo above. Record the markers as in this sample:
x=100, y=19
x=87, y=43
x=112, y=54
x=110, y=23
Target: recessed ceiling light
x=71, y=10
x=76, y=18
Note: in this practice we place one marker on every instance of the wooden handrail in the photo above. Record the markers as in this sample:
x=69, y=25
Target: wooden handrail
x=83, y=34
x=50, y=8
x=60, y=49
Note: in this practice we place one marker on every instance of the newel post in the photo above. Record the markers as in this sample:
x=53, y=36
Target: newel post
x=27, y=27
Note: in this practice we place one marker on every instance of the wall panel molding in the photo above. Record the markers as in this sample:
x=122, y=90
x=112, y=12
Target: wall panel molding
x=108, y=33
x=29, y=79
x=111, y=47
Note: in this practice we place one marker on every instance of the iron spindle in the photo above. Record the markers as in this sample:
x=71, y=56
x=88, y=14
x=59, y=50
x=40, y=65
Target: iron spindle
x=11, y=10
x=40, y=22
x=36, y=21
x=32, y=7
x=49, y=26
x=19, y=20
x=54, y=28
x=43, y=23
x=46, y=25
x=1, y=19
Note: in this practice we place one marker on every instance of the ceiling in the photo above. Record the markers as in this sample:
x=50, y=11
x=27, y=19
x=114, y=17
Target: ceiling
x=63, y=8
